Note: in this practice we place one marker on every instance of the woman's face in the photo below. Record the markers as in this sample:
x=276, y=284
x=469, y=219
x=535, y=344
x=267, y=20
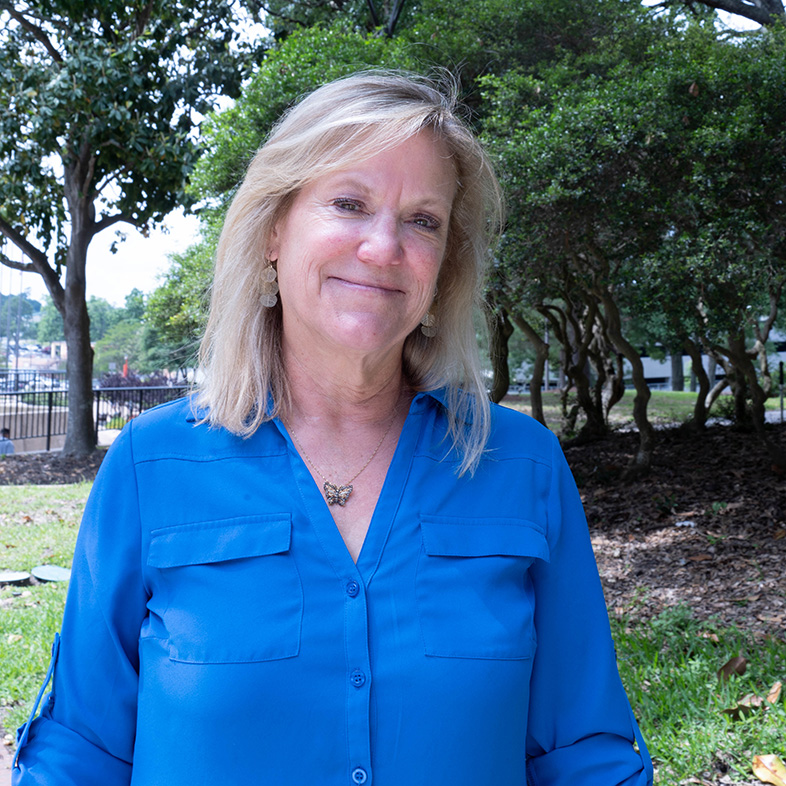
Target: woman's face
x=359, y=251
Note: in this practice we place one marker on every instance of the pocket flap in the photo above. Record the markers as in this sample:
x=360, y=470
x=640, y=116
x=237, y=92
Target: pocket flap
x=451, y=536
x=220, y=540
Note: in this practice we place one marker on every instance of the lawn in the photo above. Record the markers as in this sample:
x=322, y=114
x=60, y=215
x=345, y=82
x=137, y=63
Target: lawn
x=38, y=525
x=664, y=407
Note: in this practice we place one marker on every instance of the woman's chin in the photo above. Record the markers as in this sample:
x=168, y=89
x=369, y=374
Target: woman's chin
x=367, y=333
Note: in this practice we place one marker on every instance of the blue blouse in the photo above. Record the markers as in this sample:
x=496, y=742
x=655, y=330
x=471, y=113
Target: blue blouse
x=217, y=630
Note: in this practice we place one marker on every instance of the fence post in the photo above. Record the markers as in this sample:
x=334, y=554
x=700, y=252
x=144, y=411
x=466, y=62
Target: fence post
x=50, y=402
x=97, y=397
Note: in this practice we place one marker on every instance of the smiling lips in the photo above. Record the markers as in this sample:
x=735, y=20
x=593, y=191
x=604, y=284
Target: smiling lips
x=367, y=287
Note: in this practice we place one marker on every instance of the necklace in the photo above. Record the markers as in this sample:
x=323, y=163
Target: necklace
x=339, y=494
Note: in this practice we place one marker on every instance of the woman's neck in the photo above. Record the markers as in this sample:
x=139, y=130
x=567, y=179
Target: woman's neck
x=361, y=390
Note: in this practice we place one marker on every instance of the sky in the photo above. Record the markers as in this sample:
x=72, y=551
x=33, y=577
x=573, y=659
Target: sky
x=139, y=261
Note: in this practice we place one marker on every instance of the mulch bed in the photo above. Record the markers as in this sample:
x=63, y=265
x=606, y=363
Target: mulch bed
x=47, y=469
x=706, y=527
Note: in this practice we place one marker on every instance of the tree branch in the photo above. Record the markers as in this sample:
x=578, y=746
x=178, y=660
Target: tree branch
x=108, y=221
x=25, y=267
x=763, y=12
x=394, y=15
x=36, y=31
x=38, y=261
x=374, y=15
x=142, y=19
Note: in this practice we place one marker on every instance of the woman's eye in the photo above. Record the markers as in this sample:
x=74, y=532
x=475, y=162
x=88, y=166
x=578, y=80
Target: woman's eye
x=427, y=222
x=347, y=204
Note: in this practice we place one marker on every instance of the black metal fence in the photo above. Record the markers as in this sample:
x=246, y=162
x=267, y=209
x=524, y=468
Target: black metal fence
x=114, y=407
x=34, y=405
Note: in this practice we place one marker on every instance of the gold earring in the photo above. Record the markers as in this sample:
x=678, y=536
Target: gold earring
x=428, y=325
x=269, y=285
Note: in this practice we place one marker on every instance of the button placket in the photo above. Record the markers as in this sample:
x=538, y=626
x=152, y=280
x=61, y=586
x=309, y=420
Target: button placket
x=359, y=682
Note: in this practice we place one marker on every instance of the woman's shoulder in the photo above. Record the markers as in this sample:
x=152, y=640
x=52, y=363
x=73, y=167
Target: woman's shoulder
x=179, y=430
x=517, y=435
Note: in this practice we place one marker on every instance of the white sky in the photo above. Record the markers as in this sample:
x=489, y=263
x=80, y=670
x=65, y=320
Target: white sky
x=139, y=261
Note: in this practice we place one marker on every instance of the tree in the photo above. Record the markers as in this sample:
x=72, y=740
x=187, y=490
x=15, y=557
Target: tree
x=763, y=12
x=285, y=16
x=98, y=103
x=21, y=309
x=176, y=312
x=653, y=188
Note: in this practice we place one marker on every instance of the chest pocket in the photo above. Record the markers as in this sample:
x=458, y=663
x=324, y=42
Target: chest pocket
x=227, y=591
x=474, y=592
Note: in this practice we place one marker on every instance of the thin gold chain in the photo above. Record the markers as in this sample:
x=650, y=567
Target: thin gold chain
x=316, y=468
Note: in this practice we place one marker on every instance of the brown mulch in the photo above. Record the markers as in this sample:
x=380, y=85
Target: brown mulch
x=47, y=469
x=706, y=527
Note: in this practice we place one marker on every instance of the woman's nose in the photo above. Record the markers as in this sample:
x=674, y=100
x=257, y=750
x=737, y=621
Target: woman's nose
x=381, y=241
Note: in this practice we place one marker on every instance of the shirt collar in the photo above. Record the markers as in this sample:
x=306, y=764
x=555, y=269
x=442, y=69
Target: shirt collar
x=421, y=400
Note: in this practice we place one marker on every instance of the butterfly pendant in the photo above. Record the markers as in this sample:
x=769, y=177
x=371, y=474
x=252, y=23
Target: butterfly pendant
x=336, y=495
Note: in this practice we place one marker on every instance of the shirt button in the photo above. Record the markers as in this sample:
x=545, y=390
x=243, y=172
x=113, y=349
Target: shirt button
x=359, y=775
x=352, y=590
x=357, y=678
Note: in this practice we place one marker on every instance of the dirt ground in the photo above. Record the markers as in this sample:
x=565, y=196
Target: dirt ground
x=707, y=526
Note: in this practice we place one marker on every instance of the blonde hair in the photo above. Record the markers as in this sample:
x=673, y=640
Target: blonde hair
x=242, y=380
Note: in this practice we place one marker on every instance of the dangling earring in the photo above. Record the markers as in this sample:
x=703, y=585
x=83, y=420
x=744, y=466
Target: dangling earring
x=269, y=285
x=428, y=325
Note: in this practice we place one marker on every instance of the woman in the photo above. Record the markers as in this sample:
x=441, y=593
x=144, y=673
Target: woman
x=340, y=566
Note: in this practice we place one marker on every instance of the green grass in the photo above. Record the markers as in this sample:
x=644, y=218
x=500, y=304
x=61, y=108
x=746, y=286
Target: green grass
x=664, y=407
x=38, y=525
x=669, y=668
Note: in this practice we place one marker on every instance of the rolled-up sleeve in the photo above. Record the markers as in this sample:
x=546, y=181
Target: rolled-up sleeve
x=581, y=728
x=85, y=732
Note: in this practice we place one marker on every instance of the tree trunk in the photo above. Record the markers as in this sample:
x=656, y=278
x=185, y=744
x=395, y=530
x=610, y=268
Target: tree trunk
x=500, y=330
x=699, y=421
x=677, y=372
x=642, y=461
x=80, y=436
x=745, y=367
x=576, y=350
x=614, y=386
x=541, y=356
x=715, y=391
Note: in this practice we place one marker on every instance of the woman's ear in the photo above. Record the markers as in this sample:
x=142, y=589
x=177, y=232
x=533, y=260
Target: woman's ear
x=272, y=245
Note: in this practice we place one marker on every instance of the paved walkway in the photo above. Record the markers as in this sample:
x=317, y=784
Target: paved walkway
x=6, y=757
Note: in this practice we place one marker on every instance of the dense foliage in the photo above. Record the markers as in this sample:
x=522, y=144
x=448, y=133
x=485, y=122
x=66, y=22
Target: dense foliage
x=643, y=155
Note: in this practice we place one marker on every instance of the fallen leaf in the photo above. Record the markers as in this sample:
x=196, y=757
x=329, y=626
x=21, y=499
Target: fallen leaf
x=735, y=665
x=780, y=533
x=700, y=557
x=775, y=619
x=769, y=769
x=775, y=693
x=744, y=707
x=12, y=637
x=705, y=634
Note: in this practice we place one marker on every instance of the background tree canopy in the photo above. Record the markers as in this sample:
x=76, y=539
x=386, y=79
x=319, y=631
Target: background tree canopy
x=98, y=105
x=641, y=148
x=642, y=152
